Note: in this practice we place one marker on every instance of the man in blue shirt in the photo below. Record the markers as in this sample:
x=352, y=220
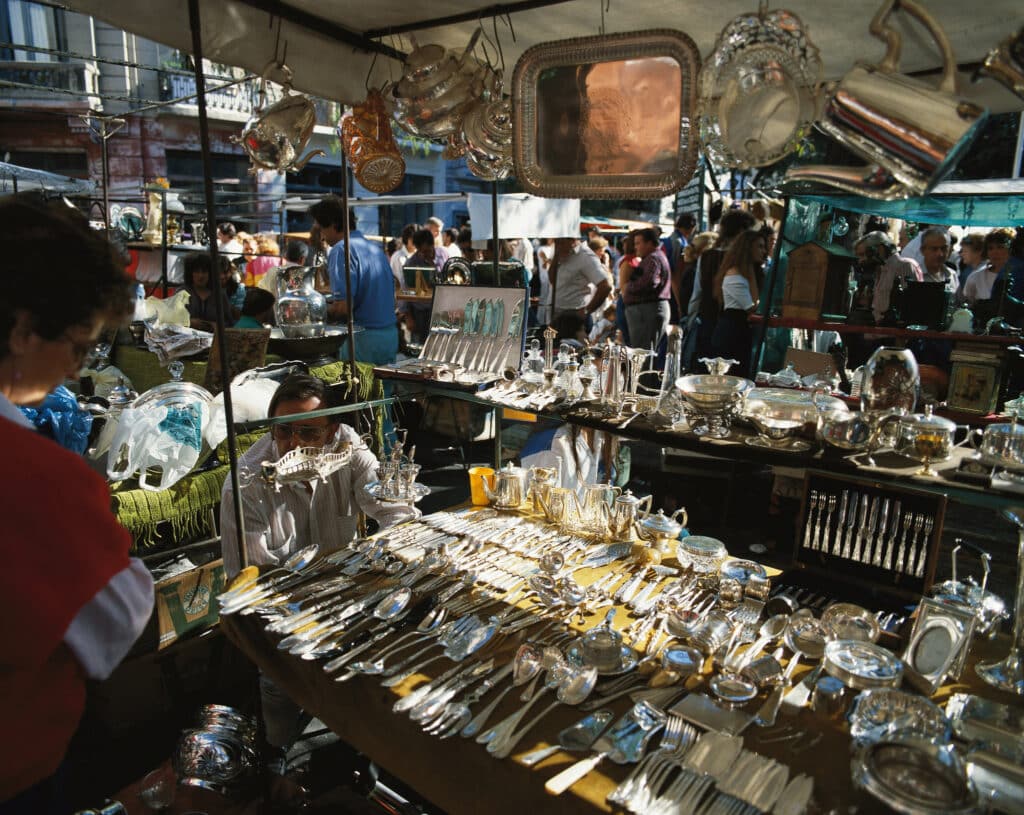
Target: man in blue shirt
x=373, y=287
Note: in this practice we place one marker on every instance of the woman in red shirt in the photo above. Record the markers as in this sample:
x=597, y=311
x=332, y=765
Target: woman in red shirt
x=73, y=600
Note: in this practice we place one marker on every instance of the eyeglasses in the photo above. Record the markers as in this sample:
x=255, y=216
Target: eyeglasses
x=80, y=349
x=304, y=433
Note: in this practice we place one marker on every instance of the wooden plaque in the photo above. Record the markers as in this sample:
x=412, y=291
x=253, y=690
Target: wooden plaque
x=805, y=282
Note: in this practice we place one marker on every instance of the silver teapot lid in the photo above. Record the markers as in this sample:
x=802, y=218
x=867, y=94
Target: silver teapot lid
x=661, y=524
x=121, y=395
x=929, y=421
x=627, y=498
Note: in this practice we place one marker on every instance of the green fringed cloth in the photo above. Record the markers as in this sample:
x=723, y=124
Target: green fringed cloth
x=185, y=506
x=339, y=373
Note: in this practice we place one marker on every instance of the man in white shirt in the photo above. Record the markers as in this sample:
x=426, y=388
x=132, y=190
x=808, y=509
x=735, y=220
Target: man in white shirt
x=402, y=254
x=228, y=244
x=450, y=239
x=935, y=250
x=281, y=519
x=580, y=287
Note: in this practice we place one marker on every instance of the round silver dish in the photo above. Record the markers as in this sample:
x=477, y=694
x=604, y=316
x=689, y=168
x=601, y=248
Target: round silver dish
x=847, y=621
x=915, y=776
x=862, y=665
x=217, y=759
x=737, y=569
x=881, y=712
x=793, y=405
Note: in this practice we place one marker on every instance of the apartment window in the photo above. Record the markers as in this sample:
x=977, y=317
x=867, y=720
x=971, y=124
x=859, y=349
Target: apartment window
x=72, y=164
x=26, y=23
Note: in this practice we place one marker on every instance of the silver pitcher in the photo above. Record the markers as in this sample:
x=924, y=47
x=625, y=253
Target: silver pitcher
x=275, y=136
x=596, y=507
x=541, y=480
x=561, y=507
x=912, y=134
x=508, y=487
x=626, y=512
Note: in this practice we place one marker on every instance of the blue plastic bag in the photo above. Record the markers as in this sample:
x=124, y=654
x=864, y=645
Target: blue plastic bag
x=60, y=417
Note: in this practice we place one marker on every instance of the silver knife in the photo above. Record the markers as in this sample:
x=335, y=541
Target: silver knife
x=837, y=535
x=891, y=545
x=872, y=526
x=861, y=533
x=851, y=522
x=879, y=541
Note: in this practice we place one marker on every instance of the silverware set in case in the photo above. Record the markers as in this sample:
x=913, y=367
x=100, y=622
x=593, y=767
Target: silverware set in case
x=868, y=529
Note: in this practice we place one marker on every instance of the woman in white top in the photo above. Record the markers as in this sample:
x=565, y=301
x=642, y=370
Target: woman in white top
x=735, y=289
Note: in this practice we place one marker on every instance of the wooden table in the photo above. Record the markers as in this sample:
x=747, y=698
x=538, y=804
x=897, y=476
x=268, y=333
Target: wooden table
x=459, y=776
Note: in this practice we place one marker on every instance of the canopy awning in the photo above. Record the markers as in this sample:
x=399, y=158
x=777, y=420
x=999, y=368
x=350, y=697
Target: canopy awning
x=330, y=44
x=25, y=178
x=967, y=203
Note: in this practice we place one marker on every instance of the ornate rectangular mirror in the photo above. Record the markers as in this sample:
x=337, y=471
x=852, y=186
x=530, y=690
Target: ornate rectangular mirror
x=607, y=116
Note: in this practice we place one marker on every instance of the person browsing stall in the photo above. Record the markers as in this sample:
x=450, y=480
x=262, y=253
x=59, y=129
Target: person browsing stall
x=72, y=599
x=648, y=292
x=373, y=288
x=202, y=309
x=580, y=287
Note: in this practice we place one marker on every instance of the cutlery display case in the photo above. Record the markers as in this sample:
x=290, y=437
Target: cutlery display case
x=476, y=333
x=866, y=542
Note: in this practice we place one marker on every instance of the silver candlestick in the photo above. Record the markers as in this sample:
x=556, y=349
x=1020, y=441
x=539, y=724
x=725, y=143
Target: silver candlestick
x=1008, y=675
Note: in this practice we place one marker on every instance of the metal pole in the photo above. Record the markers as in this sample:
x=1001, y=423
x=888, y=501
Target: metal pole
x=770, y=282
x=105, y=162
x=353, y=371
x=163, y=241
x=494, y=228
x=218, y=299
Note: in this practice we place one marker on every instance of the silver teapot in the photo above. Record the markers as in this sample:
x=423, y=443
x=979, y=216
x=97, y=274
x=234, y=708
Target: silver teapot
x=626, y=512
x=508, y=487
x=911, y=133
x=275, y=136
x=661, y=531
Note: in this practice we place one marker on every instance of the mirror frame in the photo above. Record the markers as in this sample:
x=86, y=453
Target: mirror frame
x=584, y=51
x=958, y=624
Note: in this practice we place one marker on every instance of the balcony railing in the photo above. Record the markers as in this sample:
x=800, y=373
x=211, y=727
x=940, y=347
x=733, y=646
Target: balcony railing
x=78, y=77
x=242, y=98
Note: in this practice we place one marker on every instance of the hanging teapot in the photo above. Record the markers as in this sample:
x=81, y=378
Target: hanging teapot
x=275, y=136
x=913, y=134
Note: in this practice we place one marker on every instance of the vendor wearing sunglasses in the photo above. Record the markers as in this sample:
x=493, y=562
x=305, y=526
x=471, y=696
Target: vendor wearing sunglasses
x=281, y=519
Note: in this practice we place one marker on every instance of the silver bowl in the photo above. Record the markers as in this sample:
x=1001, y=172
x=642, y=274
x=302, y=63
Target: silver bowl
x=711, y=401
x=217, y=759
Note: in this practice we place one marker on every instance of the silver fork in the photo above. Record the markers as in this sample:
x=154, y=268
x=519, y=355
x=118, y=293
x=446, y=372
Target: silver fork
x=912, y=552
x=923, y=554
x=811, y=507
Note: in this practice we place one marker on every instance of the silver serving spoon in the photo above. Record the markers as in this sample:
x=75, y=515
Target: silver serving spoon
x=575, y=738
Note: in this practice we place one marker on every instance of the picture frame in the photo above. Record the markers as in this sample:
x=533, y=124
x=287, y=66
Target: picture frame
x=973, y=387
x=610, y=116
x=938, y=645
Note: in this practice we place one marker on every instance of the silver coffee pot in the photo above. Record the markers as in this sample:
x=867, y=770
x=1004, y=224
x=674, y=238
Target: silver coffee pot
x=626, y=512
x=508, y=487
x=275, y=136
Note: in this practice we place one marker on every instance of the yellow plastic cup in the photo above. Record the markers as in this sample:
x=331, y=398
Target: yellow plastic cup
x=476, y=484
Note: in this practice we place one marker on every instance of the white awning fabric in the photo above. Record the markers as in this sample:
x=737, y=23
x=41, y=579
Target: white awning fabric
x=240, y=32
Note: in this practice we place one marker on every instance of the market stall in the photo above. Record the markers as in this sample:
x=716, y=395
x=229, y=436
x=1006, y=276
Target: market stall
x=482, y=584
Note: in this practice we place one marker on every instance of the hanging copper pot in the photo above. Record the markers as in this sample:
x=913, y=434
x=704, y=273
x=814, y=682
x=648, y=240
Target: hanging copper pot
x=370, y=145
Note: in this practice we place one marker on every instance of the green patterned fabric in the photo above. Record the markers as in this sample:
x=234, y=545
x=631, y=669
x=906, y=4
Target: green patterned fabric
x=185, y=506
x=338, y=373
